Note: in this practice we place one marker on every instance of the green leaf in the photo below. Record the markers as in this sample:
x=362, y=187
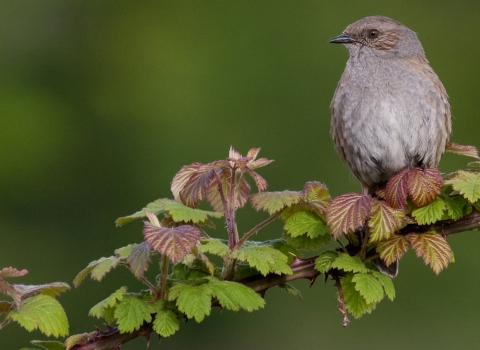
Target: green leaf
x=49, y=344
x=79, y=339
x=272, y=202
x=235, y=296
x=306, y=243
x=369, y=287
x=355, y=302
x=182, y=213
x=467, y=183
x=387, y=284
x=166, y=323
x=324, y=261
x=97, y=268
x=287, y=287
x=455, y=206
x=430, y=213
x=305, y=222
x=384, y=220
x=139, y=259
x=98, y=310
x=131, y=312
x=265, y=259
x=42, y=312
x=349, y=263
x=194, y=301
x=316, y=196
x=348, y=212
x=433, y=248
x=393, y=249
x=123, y=252
x=214, y=246
x=174, y=242
x=155, y=207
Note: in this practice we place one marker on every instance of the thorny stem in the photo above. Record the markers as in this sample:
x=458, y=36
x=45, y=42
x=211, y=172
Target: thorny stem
x=255, y=230
x=341, y=298
x=301, y=268
x=163, y=277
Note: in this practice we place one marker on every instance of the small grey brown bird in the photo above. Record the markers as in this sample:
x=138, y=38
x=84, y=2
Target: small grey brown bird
x=389, y=110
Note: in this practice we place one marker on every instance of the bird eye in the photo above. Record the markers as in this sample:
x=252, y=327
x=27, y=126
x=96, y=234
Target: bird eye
x=373, y=33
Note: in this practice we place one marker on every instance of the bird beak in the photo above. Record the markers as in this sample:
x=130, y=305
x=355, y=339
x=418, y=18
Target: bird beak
x=342, y=39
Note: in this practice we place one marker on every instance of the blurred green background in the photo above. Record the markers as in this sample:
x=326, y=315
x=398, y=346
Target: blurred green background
x=103, y=102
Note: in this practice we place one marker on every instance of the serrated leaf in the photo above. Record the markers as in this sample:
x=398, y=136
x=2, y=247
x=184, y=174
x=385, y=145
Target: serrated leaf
x=8, y=272
x=433, y=248
x=174, y=242
x=467, y=183
x=305, y=222
x=214, y=246
x=166, y=323
x=272, y=202
x=49, y=344
x=131, y=312
x=396, y=191
x=235, y=296
x=387, y=284
x=349, y=263
x=384, y=220
x=369, y=287
x=98, y=309
x=324, y=261
x=154, y=207
x=240, y=195
x=469, y=151
x=475, y=164
x=348, y=212
x=139, y=259
x=123, y=252
x=41, y=312
x=194, y=301
x=53, y=289
x=265, y=259
x=316, y=196
x=430, y=213
x=424, y=185
x=306, y=243
x=393, y=249
x=259, y=181
x=454, y=206
x=182, y=213
x=97, y=269
x=355, y=302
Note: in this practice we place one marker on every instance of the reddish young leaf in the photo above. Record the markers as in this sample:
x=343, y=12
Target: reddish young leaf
x=241, y=162
x=240, y=194
x=195, y=188
x=384, y=220
x=261, y=162
x=182, y=177
x=424, y=185
x=469, y=151
x=348, y=212
x=317, y=197
x=174, y=242
x=7, y=272
x=272, y=202
x=253, y=153
x=9, y=289
x=396, y=192
x=393, y=249
x=433, y=248
x=259, y=181
x=234, y=154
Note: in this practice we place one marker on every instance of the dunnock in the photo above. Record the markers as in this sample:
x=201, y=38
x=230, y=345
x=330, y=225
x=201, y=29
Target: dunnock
x=389, y=110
